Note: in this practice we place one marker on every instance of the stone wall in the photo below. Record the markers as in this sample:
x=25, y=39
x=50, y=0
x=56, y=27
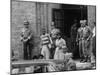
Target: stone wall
x=91, y=15
x=21, y=11
x=38, y=14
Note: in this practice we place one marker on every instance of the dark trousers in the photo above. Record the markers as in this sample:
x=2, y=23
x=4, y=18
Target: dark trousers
x=27, y=50
x=80, y=49
x=52, y=52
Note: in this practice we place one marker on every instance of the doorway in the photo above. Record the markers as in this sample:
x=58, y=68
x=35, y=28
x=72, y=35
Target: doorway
x=64, y=19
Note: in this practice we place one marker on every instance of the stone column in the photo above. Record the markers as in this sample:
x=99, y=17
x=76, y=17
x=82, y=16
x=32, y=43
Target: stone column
x=91, y=11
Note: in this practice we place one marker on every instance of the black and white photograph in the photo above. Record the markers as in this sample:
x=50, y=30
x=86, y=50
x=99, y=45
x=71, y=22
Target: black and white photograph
x=52, y=37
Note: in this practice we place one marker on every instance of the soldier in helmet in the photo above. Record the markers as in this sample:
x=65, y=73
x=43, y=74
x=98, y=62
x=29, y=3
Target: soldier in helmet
x=26, y=37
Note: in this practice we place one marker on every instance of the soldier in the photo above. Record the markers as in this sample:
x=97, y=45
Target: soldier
x=79, y=40
x=94, y=39
x=84, y=33
x=26, y=38
x=93, y=54
x=87, y=34
x=73, y=37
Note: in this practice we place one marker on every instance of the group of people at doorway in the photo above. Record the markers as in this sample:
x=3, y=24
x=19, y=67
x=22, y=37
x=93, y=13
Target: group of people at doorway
x=53, y=46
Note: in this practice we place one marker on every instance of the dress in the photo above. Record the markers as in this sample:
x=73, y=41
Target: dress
x=60, y=48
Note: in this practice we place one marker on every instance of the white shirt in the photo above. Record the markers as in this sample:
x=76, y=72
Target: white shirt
x=94, y=32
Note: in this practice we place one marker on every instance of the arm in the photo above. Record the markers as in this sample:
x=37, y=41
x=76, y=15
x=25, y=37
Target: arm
x=90, y=34
x=77, y=37
x=30, y=35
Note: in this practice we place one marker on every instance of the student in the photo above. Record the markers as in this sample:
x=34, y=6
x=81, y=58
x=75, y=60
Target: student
x=61, y=48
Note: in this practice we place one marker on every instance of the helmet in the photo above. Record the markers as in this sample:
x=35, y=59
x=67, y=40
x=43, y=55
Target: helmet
x=26, y=23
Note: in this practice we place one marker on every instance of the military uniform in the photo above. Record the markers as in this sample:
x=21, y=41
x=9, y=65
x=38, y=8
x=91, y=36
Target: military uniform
x=85, y=42
x=79, y=39
x=26, y=38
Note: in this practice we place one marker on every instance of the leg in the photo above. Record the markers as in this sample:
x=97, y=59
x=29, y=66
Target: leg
x=52, y=52
x=56, y=55
x=25, y=50
x=30, y=51
x=84, y=50
x=80, y=50
x=47, y=53
x=89, y=50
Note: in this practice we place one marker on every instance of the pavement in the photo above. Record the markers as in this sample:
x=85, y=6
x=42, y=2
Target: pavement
x=84, y=66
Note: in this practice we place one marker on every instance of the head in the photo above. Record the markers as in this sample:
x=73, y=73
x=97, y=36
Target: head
x=43, y=31
x=26, y=24
x=82, y=23
x=52, y=25
x=58, y=35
